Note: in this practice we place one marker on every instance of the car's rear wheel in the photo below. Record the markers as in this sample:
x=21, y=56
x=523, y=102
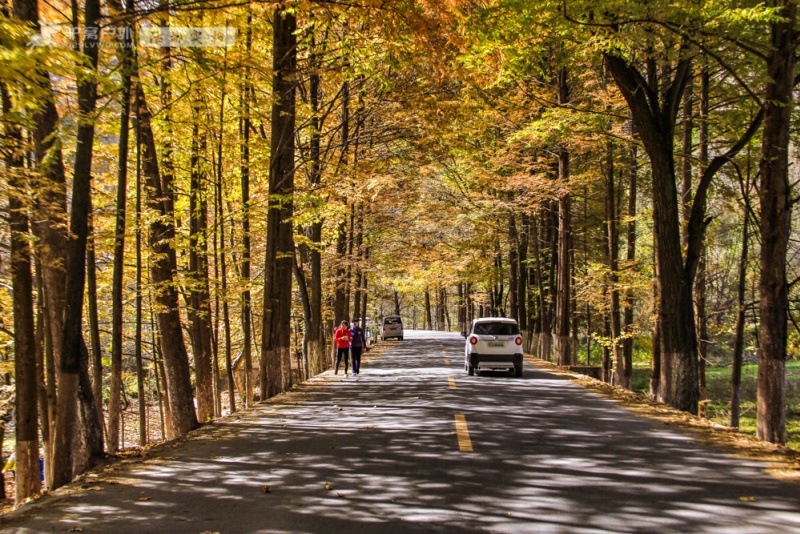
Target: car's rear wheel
x=400, y=338
x=518, y=371
x=470, y=370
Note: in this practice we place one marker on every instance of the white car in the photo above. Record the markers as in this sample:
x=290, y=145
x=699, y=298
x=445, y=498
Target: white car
x=392, y=327
x=493, y=343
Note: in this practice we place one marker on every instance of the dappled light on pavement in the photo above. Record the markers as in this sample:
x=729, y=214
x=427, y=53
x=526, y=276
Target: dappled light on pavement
x=379, y=453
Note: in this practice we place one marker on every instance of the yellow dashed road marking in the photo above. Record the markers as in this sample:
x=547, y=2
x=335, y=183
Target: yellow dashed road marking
x=451, y=381
x=464, y=443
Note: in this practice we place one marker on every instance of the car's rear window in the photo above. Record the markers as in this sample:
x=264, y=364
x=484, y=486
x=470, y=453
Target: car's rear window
x=392, y=320
x=496, y=329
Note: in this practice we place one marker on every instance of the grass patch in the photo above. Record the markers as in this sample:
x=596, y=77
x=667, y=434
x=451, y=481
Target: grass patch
x=718, y=393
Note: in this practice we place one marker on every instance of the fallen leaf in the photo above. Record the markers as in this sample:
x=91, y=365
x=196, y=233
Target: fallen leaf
x=747, y=499
x=266, y=489
x=76, y=529
x=145, y=498
x=328, y=486
x=217, y=457
x=340, y=494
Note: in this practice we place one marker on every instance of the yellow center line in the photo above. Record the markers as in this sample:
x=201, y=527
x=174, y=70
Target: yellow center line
x=464, y=443
x=451, y=381
x=447, y=362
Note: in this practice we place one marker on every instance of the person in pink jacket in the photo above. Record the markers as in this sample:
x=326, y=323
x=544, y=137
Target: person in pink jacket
x=342, y=337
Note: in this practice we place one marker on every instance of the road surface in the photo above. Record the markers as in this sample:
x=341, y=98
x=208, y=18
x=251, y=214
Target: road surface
x=415, y=445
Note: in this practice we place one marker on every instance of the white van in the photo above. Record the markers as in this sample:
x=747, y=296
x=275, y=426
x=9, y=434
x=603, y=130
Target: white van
x=392, y=327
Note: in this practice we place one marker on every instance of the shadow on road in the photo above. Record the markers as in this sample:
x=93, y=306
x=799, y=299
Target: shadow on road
x=547, y=457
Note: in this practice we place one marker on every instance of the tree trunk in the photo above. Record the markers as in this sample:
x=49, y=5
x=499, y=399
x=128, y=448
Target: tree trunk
x=656, y=363
x=137, y=338
x=738, y=342
x=199, y=312
x=612, y=242
x=222, y=275
x=776, y=211
x=315, y=335
x=25, y=372
x=357, y=251
x=348, y=277
x=513, y=268
x=700, y=284
x=542, y=320
x=46, y=376
x=627, y=344
x=244, y=170
x=561, y=331
x=428, y=317
x=125, y=58
x=50, y=230
x=163, y=265
x=462, y=309
x=94, y=324
x=522, y=275
x=364, y=290
x=73, y=364
x=276, y=349
x=655, y=119
x=340, y=294
x=606, y=364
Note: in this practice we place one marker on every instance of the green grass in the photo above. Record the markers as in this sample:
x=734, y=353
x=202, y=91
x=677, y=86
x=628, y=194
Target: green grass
x=718, y=393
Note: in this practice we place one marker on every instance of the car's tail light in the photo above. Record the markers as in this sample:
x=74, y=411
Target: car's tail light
x=473, y=340
x=518, y=341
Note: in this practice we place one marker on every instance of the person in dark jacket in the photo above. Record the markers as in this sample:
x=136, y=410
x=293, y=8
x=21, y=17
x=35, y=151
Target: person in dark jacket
x=342, y=338
x=357, y=344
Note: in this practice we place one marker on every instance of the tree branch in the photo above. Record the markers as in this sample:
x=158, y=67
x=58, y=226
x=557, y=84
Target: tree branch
x=697, y=224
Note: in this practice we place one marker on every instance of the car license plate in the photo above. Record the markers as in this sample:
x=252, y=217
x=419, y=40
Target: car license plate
x=497, y=344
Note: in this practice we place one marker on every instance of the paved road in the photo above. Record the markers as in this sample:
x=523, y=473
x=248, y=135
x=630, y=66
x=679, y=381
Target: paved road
x=547, y=456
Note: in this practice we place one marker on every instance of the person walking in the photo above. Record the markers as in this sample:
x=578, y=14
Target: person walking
x=357, y=346
x=342, y=337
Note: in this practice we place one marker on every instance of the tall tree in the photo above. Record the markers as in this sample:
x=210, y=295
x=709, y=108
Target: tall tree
x=200, y=306
x=630, y=256
x=315, y=335
x=25, y=400
x=612, y=243
x=125, y=58
x=561, y=330
x=276, y=349
x=776, y=211
x=244, y=170
x=50, y=230
x=74, y=356
x=741, y=305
